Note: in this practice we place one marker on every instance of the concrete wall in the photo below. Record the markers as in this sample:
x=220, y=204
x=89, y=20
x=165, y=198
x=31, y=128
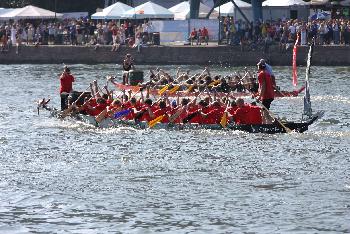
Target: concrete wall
x=323, y=55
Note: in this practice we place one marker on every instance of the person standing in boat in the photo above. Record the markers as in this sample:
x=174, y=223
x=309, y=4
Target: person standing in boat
x=266, y=91
x=66, y=86
x=128, y=64
x=268, y=69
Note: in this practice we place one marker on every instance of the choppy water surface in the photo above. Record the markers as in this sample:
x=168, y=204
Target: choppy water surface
x=62, y=176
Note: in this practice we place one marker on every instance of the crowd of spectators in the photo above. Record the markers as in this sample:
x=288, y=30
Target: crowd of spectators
x=257, y=36
x=75, y=32
x=284, y=32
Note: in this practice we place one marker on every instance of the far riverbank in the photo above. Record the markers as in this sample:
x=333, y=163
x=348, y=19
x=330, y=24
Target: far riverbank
x=174, y=54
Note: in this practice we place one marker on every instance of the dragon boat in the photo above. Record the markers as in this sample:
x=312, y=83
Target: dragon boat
x=277, y=126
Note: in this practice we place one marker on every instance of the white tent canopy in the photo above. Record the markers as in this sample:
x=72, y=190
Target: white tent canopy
x=6, y=10
x=30, y=12
x=114, y=11
x=284, y=3
x=228, y=9
x=148, y=10
x=318, y=2
x=182, y=11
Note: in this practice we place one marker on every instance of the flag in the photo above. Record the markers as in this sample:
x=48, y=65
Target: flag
x=295, y=75
x=307, y=100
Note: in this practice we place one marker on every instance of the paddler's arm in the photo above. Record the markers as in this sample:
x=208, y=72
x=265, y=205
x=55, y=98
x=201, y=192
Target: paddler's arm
x=207, y=70
x=150, y=113
x=108, y=93
x=147, y=91
x=142, y=97
x=178, y=72
x=129, y=92
x=96, y=91
x=92, y=90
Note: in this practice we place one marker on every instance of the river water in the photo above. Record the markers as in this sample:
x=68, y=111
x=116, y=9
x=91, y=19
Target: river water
x=68, y=177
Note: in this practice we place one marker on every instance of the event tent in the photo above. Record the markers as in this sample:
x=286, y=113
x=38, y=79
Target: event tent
x=318, y=2
x=114, y=11
x=6, y=10
x=285, y=9
x=182, y=11
x=228, y=9
x=148, y=10
x=30, y=12
x=284, y=3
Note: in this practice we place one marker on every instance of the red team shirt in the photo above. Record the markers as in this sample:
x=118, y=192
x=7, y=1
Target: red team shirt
x=66, y=83
x=269, y=92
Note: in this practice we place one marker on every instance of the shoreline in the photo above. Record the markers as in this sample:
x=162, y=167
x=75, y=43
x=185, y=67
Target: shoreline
x=212, y=54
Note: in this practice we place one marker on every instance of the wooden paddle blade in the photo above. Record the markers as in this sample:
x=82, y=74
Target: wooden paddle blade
x=175, y=115
x=162, y=90
x=223, y=121
x=101, y=116
x=214, y=83
x=155, y=121
x=67, y=111
x=189, y=88
x=173, y=90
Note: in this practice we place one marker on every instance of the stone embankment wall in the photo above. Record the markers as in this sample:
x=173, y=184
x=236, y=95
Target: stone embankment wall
x=191, y=55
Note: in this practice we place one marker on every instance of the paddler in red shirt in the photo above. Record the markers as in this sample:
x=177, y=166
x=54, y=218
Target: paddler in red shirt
x=101, y=105
x=247, y=114
x=66, y=87
x=162, y=110
x=241, y=114
x=146, y=112
x=214, y=115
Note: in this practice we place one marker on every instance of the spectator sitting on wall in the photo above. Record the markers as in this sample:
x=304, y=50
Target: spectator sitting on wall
x=193, y=36
x=205, y=35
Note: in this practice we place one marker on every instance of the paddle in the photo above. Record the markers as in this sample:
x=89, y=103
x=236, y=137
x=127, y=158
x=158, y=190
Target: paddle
x=66, y=112
x=223, y=121
x=165, y=88
x=122, y=113
x=140, y=113
x=174, y=89
x=190, y=88
x=192, y=115
x=153, y=122
x=101, y=116
x=288, y=130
